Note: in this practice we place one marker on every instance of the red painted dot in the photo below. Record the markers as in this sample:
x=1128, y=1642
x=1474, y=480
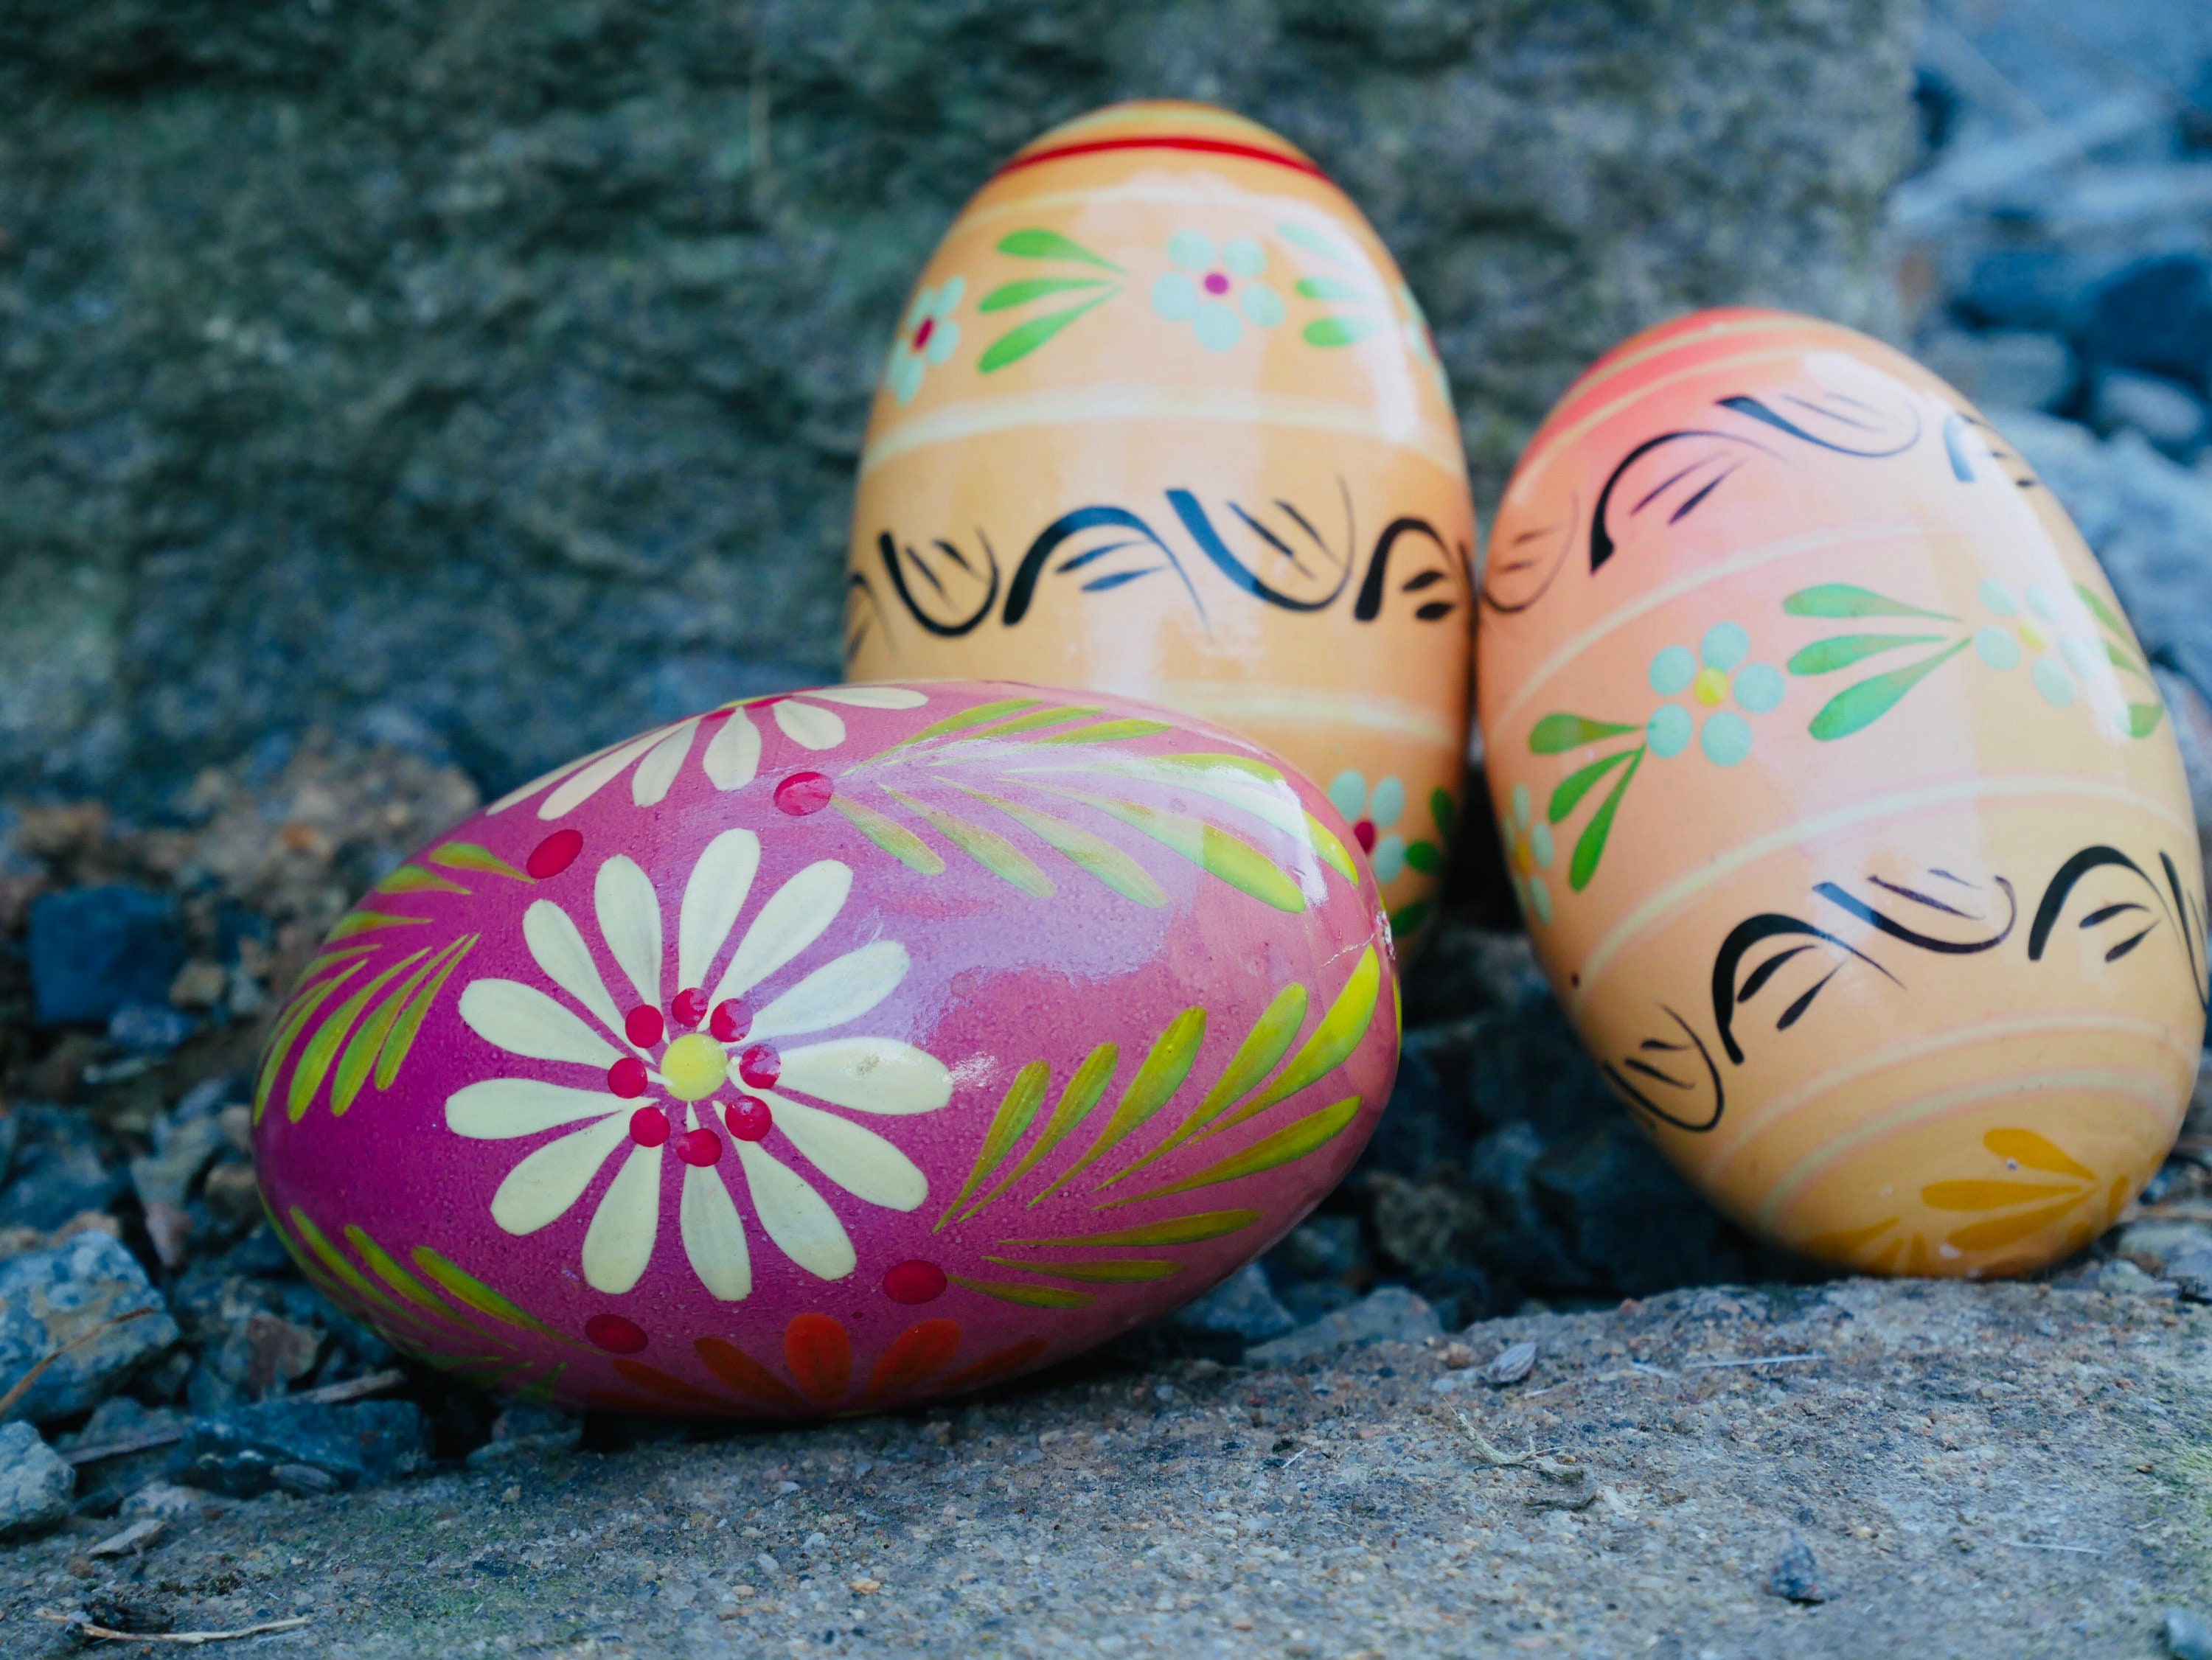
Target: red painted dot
x=626, y=1077
x=1216, y=283
x=648, y=1126
x=750, y=1119
x=643, y=1026
x=914, y=1282
x=688, y=1007
x=699, y=1146
x=614, y=1334
x=803, y=793
x=555, y=854
x=760, y=1066
x=1364, y=833
x=921, y=334
x=731, y=1020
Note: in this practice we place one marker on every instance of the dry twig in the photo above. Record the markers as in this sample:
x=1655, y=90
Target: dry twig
x=22, y=1386
x=190, y=1640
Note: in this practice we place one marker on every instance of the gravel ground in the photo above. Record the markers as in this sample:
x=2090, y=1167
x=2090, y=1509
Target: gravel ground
x=2058, y=1504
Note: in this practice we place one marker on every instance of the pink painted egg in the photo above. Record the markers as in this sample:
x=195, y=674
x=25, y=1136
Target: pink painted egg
x=830, y=1052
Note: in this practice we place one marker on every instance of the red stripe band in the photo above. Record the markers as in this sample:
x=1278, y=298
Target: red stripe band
x=1203, y=146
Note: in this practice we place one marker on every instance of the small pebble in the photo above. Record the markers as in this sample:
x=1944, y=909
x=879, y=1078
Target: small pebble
x=1796, y=1576
x=2188, y=1634
x=1514, y=1362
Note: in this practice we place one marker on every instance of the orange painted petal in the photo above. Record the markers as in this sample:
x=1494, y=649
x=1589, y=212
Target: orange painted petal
x=818, y=1353
x=674, y=1389
x=992, y=1367
x=1991, y=1196
x=2005, y=1230
x=2036, y=1152
x=915, y=1354
x=746, y=1375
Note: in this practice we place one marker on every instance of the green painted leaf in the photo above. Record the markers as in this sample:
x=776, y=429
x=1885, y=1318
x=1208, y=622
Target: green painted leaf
x=1032, y=721
x=1113, y=1271
x=1333, y=851
x=1084, y=1092
x=1039, y=243
x=1424, y=856
x=2143, y=718
x=1332, y=287
x=386, y=1268
x=1027, y=1296
x=1825, y=656
x=983, y=714
x=361, y=922
x=414, y=879
x=1556, y=734
x=305, y=1002
x=467, y=1289
x=1094, y=854
x=986, y=847
x=1234, y=860
x=1291, y=1142
x=1578, y=784
x=322, y=1049
x=1009, y=294
x=1019, y=342
x=894, y=837
x=1844, y=599
x=1333, y=1040
x=468, y=856
x=1110, y=731
x=1271, y=1035
x=1016, y=1109
x=411, y=1017
x=1314, y=241
x=1165, y=1067
x=1590, y=846
x=1858, y=706
x=2104, y=613
x=2123, y=659
x=362, y=1048
x=1177, y=1230
x=1445, y=812
x=1406, y=919
x=338, y=1270
x=1341, y=331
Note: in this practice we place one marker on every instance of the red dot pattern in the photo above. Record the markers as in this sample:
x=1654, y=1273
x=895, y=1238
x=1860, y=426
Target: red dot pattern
x=642, y=1027
x=689, y=1008
x=699, y=1146
x=614, y=1334
x=750, y=1118
x=555, y=854
x=760, y=1066
x=731, y=1020
x=913, y=1282
x=626, y=1077
x=805, y=792
x=648, y=1126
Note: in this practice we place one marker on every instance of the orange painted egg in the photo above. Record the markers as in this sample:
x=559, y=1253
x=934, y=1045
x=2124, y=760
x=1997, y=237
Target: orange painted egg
x=1162, y=419
x=1840, y=800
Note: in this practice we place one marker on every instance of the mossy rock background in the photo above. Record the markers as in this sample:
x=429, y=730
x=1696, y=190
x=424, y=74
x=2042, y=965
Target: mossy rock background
x=488, y=374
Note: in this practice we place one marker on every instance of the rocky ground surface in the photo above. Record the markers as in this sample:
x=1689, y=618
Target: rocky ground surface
x=1855, y=1468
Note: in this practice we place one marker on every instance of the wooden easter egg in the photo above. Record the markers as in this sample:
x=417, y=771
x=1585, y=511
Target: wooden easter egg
x=1162, y=419
x=1841, y=804
x=831, y=1051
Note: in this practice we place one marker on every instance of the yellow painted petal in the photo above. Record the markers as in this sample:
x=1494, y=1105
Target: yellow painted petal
x=868, y=1074
x=557, y=947
x=499, y=1108
x=719, y=885
x=714, y=1237
x=793, y=918
x=540, y=1189
x=859, y=1160
x=732, y=757
x=618, y=1245
x=629, y=921
x=523, y=1021
x=650, y=784
x=837, y=992
x=795, y=1216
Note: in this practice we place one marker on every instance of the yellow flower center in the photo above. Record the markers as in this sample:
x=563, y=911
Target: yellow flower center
x=1709, y=687
x=1524, y=857
x=695, y=1067
x=2032, y=637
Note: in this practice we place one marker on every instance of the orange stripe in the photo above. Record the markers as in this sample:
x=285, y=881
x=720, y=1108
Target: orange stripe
x=1203, y=146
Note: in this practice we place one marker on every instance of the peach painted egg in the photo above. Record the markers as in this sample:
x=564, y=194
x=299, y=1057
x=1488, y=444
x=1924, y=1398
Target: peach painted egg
x=1162, y=419
x=831, y=1051
x=1840, y=803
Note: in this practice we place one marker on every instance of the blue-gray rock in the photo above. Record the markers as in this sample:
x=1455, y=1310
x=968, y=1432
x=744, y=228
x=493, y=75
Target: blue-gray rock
x=1796, y=1576
x=49, y=1299
x=36, y=1482
x=525, y=1432
x=2157, y=317
x=58, y=1170
x=2003, y=369
x=1242, y=1307
x=183, y=1150
x=149, y=1028
x=245, y=1452
x=2168, y=414
x=1392, y=1314
x=2191, y=1270
x=95, y=949
x=2188, y=1634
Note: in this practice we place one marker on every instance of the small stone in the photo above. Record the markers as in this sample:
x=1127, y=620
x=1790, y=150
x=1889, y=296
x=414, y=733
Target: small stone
x=199, y=985
x=149, y=1028
x=1514, y=1362
x=1244, y=1306
x=58, y=1170
x=166, y=1176
x=1458, y=1356
x=93, y=950
x=526, y=1431
x=35, y=1482
x=136, y=1537
x=2122, y=1278
x=232, y=1193
x=1392, y=1314
x=2188, y=1634
x=49, y=1299
x=2191, y=1270
x=239, y=1452
x=163, y=1499
x=1796, y=1576
x=2170, y=415
x=303, y=1481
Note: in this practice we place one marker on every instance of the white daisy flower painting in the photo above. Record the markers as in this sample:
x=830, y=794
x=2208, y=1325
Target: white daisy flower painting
x=681, y=1063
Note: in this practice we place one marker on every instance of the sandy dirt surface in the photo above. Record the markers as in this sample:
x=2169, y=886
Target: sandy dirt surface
x=2001, y=1470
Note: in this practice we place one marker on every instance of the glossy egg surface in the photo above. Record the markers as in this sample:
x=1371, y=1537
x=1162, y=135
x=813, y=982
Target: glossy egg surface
x=1162, y=419
x=1840, y=800
x=831, y=1051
